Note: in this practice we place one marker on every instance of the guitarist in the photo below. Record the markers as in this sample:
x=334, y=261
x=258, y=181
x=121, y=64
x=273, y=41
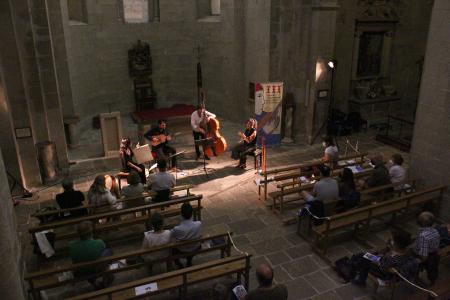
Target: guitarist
x=159, y=139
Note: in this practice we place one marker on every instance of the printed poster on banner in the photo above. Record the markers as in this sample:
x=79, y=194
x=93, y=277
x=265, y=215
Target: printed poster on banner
x=268, y=104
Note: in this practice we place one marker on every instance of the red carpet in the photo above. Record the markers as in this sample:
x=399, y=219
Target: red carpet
x=168, y=113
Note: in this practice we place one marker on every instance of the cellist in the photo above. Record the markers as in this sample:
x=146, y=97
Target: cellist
x=200, y=115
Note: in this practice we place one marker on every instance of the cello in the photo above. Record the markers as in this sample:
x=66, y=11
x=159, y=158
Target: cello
x=211, y=127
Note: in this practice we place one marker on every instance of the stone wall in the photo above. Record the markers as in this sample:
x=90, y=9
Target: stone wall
x=407, y=52
x=97, y=56
x=430, y=155
x=12, y=270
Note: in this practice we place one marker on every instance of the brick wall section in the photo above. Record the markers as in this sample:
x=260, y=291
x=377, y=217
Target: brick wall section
x=430, y=155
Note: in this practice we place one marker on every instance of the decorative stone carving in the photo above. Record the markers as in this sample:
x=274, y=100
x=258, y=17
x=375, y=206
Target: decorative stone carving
x=139, y=60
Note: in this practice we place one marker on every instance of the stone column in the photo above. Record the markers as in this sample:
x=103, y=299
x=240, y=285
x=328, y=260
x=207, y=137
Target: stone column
x=430, y=155
x=11, y=272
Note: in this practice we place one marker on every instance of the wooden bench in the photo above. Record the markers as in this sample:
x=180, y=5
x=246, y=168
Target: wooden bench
x=48, y=279
x=364, y=215
x=145, y=210
x=297, y=168
x=63, y=213
x=178, y=280
x=278, y=196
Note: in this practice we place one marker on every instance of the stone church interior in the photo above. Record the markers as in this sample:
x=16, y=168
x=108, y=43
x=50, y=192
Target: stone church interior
x=225, y=149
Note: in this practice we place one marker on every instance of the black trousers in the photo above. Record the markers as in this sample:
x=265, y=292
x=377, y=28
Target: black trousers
x=189, y=258
x=431, y=265
x=128, y=169
x=166, y=150
x=198, y=136
x=240, y=151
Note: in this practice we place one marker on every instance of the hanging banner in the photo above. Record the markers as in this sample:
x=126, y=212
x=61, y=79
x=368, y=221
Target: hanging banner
x=268, y=103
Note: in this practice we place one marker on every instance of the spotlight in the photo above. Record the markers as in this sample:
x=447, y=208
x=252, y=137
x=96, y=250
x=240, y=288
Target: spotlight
x=332, y=64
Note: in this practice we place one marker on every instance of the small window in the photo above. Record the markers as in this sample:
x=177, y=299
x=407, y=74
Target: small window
x=215, y=7
x=208, y=10
x=77, y=11
x=139, y=11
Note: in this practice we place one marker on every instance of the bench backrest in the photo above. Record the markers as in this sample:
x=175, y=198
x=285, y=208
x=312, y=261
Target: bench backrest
x=114, y=213
x=225, y=248
x=124, y=200
x=311, y=164
x=176, y=279
x=360, y=214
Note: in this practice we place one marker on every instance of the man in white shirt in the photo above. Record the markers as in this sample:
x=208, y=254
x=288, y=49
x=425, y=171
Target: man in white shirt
x=198, y=132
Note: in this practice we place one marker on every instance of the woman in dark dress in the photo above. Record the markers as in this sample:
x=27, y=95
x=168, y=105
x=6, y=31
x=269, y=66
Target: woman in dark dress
x=126, y=157
x=247, y=144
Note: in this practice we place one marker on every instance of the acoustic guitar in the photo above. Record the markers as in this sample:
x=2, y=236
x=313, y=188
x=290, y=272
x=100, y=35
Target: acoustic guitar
x=161, y=138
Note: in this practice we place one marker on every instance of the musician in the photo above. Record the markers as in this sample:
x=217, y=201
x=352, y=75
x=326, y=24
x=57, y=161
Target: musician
x=200, y=116
x=247, y=144
x=160, y=137
x=126, y=157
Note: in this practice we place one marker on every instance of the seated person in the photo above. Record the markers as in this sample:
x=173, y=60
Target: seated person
x=71, y=198
x=349, y=196
x=247, y=143
x=186, y=230
x=161, y=146
x=326, y=189
x=426, y=247
x=127, y=159
x=157, y=236
x=99, y=196
x=266, y=288
x=161, y=182
x=380, y=174
x=134, y=189
x=87, y=249
x=396, y=172
x=397, y=257
x=331, y=153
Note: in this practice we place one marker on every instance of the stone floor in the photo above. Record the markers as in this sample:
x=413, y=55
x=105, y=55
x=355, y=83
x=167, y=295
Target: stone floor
x=231, y=202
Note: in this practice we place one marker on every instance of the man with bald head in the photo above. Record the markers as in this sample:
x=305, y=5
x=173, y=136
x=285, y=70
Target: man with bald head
x=266, y=288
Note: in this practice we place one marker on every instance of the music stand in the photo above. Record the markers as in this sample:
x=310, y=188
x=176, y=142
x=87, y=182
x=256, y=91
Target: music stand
x=204, y=143
x=173, y=155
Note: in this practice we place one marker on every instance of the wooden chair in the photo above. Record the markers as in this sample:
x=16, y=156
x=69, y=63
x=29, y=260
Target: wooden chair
x=120, y=176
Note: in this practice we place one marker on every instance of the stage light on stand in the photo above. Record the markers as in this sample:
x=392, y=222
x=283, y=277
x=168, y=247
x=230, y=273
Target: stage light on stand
x=331, y=64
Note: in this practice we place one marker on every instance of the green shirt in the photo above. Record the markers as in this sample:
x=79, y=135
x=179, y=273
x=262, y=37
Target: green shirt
x=86, y=250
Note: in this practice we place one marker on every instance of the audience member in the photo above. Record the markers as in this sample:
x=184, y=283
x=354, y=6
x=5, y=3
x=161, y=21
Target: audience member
x=426, y=247
x=134, y=189
x=266, y=288
x=349, y=196
x=100, y=196
x=380, y=174
x=161, y=182
x=397, y=257
x=326, y=189
x=89, y=249
x=186, y=230
x=331, y=153
x=70, y=198
x=396, y=172
x=156, y=236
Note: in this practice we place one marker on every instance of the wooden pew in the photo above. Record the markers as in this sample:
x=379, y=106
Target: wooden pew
x=364, y=215
x=63, y=212
x=48, y=279
x=145, y=210
x=297, y=168
x=178, y=280
x=278, y=196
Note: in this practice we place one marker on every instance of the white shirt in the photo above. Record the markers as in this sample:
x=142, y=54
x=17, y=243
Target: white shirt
x=152, y=239
x=397, y=173
x=333, y=154
x=196, y=119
